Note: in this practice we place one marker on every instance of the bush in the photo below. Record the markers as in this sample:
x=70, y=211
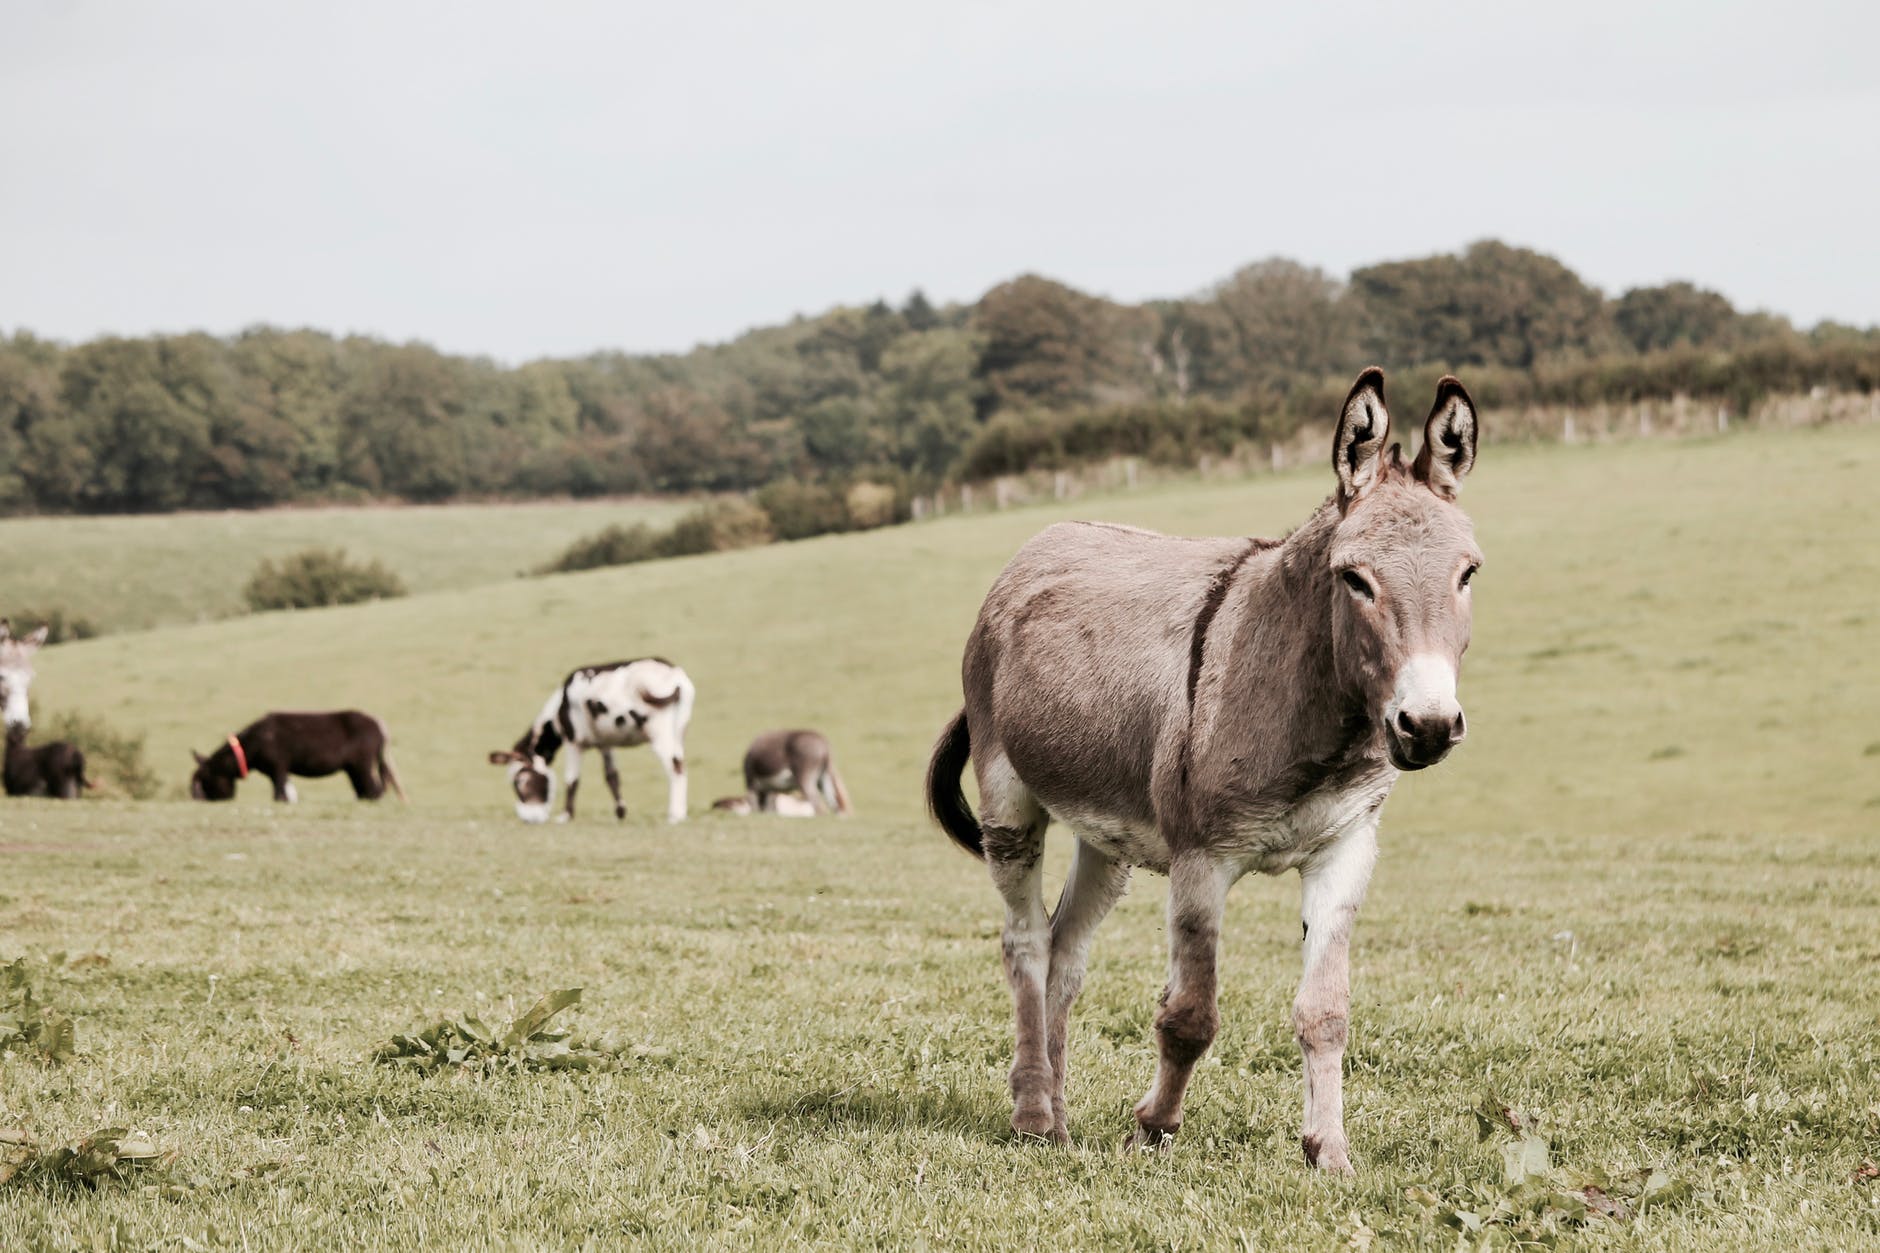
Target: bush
x=319, y=576
x=59, y=625
x=872, y=505
x=113, y=760
x=800, y=510
x=717, y=527
x=614, y=545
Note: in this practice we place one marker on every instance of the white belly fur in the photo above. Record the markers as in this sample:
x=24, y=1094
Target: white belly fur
x=1269, y=845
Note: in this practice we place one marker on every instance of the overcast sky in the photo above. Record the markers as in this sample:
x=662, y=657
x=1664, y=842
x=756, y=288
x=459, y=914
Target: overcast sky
x=544, y=179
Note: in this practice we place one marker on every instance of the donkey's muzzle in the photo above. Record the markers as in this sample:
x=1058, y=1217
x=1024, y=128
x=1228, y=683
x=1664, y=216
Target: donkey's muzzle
x=1423, y=739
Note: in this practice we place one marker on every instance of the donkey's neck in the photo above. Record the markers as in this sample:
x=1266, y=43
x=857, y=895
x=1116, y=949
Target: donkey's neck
x=1278, y=702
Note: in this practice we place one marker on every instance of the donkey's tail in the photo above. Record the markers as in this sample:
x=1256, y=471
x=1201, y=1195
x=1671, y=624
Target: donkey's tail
x=946, y=799
x=841, y=798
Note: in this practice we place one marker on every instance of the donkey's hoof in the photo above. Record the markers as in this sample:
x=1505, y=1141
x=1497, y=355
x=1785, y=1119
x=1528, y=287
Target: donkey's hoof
x=564, y=817
x=1327, y=1154
x=1148, y=1140
x=620, y=812
x=1035, y=1122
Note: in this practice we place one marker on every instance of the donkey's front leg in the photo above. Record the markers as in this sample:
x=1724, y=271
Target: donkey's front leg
x=1334, y=883
x=1187, y=1020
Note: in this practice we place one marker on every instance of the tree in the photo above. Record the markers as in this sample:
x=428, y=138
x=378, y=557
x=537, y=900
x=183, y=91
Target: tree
x=1287, y=319
x=1674, y=314
x=1045, y=344
x=1492, y=305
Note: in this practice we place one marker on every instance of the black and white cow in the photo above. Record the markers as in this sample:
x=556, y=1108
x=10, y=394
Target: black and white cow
x=621, y=705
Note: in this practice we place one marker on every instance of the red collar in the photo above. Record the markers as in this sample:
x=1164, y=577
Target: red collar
x=241, y=758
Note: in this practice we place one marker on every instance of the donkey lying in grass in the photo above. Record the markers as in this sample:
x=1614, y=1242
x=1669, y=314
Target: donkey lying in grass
x=778, y=764
x=1206, y=708
x=56, y=769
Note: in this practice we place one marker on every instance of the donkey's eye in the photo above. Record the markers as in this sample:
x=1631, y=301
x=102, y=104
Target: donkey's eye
x=1466, y=576
x=1360, y=587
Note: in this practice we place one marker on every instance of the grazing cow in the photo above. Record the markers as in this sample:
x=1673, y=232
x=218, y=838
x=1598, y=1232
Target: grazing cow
x=56, y=769
x=312, y=745
x=781, y=762
x=16, y=673
x=1206, y=708
x=783, y=804
x=620, y=705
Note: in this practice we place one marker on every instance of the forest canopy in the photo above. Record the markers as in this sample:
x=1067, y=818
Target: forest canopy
x=908, y=395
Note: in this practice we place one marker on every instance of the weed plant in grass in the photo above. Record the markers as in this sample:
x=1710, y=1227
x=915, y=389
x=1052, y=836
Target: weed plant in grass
x=1658, y=961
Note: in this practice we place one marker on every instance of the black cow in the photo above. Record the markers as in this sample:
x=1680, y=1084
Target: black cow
x=312, y=745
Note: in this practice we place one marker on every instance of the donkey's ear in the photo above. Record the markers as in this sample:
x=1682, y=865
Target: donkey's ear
x=1363, y=426
x=6, y=629
x=200, y=759
x=1448, y=451
x=37, y=638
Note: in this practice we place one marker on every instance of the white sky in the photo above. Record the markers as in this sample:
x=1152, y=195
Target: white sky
x=531, y=179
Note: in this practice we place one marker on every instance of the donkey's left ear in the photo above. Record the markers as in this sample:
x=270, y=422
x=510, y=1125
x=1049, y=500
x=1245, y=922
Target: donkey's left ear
x=37, y=638
x=1448, y=451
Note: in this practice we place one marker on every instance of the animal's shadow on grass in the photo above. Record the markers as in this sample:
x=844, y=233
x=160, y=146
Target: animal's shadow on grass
x=869, y=1107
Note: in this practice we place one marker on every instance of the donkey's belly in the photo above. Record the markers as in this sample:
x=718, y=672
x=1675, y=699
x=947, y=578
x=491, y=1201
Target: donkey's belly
x=1124, y=840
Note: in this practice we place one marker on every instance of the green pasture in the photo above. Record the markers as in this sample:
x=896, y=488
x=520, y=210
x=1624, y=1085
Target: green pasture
x=1640, y=908
x=128, y=573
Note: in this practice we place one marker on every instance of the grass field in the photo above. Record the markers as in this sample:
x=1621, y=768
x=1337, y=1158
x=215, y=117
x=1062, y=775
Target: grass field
x=1641, y=906
x=128, y=573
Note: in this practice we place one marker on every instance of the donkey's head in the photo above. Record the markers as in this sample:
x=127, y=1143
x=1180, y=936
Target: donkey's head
x=1402, y=557
x=16, y=673
x=529, y=775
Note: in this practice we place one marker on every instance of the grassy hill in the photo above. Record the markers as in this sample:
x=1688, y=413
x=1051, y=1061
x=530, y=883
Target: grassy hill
x=1667, y=634
x=128, y=573
x=1640, y=906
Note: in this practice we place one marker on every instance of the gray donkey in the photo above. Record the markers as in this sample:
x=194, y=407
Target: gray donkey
x=1206, y=708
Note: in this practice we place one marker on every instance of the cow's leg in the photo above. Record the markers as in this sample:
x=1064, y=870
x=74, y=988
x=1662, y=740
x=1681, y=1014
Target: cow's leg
x=366, y=784
x=613, y=781
x=1012, y=826
x=670, y=749
x=571, y=777
x=284, y=788
x=1094, y=885
x=1333, y=887
x=1186, y=1022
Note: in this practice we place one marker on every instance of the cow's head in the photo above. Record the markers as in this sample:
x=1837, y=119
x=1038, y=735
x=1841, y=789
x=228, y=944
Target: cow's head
x=215, y=775
x=16, y=673
x=529, y=775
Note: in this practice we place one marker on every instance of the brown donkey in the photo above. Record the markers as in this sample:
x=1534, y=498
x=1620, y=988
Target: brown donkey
x=1206, y=708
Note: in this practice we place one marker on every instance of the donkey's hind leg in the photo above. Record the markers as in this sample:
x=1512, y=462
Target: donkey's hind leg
x=1012, y=825
x=1094, y=885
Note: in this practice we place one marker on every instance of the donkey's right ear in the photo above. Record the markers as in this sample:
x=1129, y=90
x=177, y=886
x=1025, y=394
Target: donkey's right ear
x=1363, y=426
x=200, y=759
x=6, y=629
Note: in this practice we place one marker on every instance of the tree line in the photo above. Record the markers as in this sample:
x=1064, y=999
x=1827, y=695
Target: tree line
x=900, y=397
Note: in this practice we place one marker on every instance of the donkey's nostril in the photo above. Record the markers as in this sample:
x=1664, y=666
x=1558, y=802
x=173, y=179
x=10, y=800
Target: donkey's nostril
x=1458, y=729
x=1405, y=726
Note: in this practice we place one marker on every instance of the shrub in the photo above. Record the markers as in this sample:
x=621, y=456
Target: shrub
x=717, y=527
x=319, y=576
x=872, y=505
x=800, y=510
x=60, y=626
x=614, y=545
x=113, y=760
